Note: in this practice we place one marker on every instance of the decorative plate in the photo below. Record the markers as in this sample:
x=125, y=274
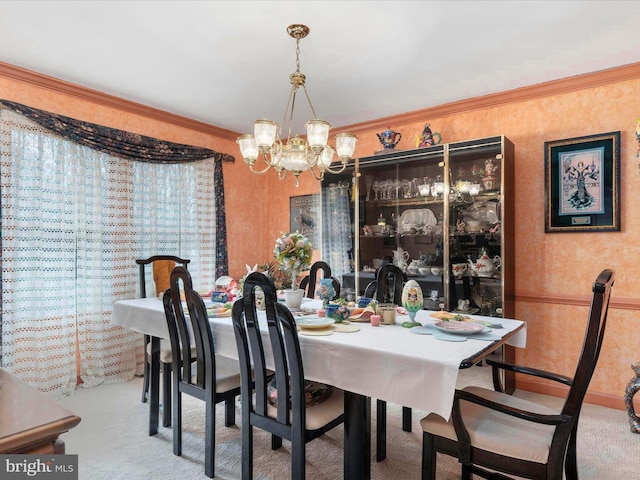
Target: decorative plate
x=314, y=322
x=460, y=328
x=416, y=216
x=483, y=212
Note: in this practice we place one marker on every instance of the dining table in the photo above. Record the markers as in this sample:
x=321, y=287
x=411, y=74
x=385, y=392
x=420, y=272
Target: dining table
x=415, y=367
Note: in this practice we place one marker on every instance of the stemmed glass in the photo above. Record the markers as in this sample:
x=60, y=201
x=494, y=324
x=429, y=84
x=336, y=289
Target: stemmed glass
x=377, y=185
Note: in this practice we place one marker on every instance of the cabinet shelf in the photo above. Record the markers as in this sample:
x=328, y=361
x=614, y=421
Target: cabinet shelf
x=405, y=202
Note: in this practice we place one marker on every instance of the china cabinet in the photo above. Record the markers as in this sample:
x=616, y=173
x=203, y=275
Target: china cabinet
x=443, y=214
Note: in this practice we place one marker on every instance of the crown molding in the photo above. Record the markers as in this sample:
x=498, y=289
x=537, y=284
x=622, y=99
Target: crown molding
x=86, y=94
x=554, y=87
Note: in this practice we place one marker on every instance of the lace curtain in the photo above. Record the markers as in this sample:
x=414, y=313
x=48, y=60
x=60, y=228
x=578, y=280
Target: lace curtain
x=74, y=219
x=336, y=229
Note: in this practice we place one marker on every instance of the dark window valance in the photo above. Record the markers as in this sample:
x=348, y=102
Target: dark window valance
x=116, y=142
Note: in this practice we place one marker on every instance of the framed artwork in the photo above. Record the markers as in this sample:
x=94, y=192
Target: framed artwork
x=305, y=216
x=582, y=184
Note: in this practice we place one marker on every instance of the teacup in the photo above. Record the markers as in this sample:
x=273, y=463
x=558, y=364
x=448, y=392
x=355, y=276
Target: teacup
x=338, y=312
x=458, y=269
x=463, y=305
x=219, y=297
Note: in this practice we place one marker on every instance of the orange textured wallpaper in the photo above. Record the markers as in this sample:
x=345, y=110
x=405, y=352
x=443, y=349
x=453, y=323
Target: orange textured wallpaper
x=546, y=264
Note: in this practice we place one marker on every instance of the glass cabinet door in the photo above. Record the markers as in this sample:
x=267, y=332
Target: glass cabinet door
x=476, y=241
x=401, y=218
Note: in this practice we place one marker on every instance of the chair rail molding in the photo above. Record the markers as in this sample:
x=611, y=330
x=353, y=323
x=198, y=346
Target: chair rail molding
x=620, y=303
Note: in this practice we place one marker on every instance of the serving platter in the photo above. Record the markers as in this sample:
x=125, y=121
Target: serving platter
x=459, y=328
x=314, y=323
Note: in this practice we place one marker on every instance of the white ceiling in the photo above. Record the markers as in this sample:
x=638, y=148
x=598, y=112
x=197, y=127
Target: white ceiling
x=227, y=63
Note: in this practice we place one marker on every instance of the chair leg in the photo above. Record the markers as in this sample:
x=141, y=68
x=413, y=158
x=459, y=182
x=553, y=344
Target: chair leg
x=428, y=457
x=166, y=394
x=466, y=472
x=381, y=430
x=276, y=442
x=297, y=459
x=230, y=411
x=177, y=421
x=570, y=462
x=145, y=378
x=209, y=438
x=247, y=448
x=406, y=419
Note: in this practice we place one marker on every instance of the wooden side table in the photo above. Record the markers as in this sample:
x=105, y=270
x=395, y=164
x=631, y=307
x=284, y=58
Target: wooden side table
x=30, y=422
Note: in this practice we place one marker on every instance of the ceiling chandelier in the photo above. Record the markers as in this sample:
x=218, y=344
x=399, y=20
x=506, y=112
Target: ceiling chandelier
x=296, y=155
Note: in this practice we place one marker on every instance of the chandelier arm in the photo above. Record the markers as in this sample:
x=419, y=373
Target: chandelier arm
x=340, y=170
x=281, y=176
x=259, y=172
x=315, y=175
x=309, y=100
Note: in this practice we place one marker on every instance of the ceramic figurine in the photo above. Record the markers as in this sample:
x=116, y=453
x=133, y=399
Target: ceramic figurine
x=325, y=291
x=428, y=138
x=490, y=178
x=389, y=139
x=412, y=299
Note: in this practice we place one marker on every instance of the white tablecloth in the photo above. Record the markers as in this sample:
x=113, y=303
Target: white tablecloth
x=386, y=362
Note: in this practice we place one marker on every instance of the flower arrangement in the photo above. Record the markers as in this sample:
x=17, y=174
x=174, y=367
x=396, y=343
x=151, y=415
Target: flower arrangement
x=293, y=252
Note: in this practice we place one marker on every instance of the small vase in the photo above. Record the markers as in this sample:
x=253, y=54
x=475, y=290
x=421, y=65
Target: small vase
x=293, y=298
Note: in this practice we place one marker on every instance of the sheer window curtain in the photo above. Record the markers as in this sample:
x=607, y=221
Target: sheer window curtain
x=73, y=222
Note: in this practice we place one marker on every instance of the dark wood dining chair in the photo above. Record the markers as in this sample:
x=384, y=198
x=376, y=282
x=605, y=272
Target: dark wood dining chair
x=309, y=283
x=390, y=281
x=161, y=268
x=205, y=375
x=291, y=418
x=491, y=430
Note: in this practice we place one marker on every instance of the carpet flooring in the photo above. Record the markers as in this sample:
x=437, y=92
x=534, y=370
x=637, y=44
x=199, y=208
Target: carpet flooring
x=112, y=442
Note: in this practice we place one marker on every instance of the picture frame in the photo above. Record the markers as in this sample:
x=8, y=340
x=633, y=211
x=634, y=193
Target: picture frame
x=582, y=184
x=304, y=216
